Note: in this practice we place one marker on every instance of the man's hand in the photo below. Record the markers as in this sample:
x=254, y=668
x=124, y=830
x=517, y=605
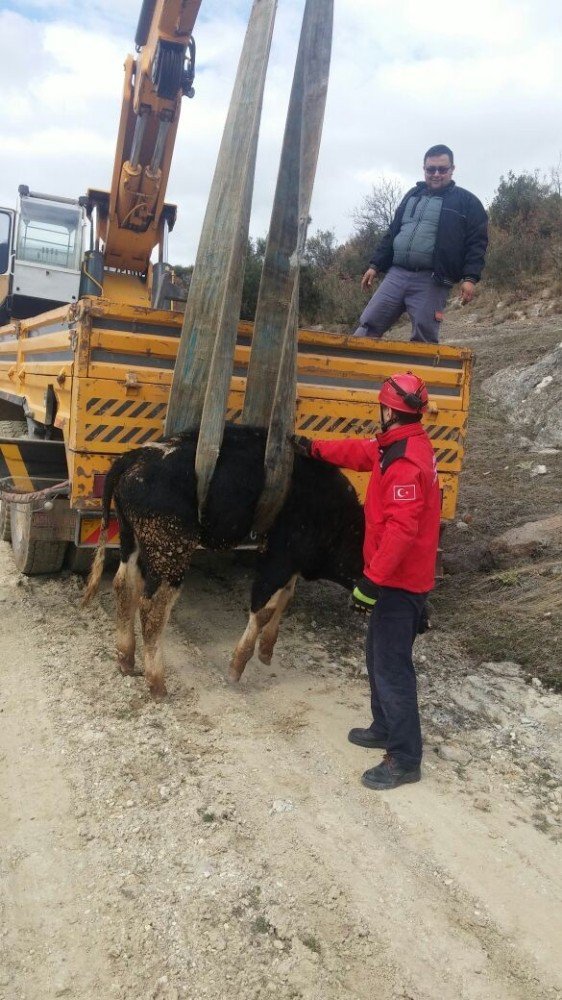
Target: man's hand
x=467, y=292
x=301, y=444
x=364, y=595
x=368, y=278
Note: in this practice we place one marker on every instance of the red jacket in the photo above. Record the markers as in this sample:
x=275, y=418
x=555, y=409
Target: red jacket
x=402, y=505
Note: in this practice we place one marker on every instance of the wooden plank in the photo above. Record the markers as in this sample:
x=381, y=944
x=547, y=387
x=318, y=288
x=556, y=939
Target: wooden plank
x=133, y=344
x=360, y=370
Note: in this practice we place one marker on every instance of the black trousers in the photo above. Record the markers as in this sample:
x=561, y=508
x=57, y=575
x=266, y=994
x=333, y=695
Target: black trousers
x=394, y=700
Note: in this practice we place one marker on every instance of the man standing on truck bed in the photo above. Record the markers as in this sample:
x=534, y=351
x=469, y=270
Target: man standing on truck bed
x=402, y=518
x=437, y=237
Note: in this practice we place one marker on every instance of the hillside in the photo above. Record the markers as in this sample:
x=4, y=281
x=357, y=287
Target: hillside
x=508, y=604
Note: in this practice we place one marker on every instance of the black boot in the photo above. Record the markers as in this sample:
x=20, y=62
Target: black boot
x=389, y=774
x=366, y=738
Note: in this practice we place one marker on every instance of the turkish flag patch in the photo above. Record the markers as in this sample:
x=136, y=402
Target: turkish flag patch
x=405, y=492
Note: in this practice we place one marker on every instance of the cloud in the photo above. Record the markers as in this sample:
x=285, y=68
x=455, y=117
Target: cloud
x=482, y=78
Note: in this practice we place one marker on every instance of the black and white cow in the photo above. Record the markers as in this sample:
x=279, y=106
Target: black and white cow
x=318, y=534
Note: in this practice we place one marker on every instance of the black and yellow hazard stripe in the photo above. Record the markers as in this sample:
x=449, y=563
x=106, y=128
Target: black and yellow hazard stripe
x=27, y=465
x=128, y=421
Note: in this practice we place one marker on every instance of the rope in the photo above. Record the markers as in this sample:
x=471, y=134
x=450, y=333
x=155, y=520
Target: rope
x=49, y=491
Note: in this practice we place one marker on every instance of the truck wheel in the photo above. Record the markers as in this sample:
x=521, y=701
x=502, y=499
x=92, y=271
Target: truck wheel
x=33, y=556
x=5, y=533
x=79, y=560
x=9, y=429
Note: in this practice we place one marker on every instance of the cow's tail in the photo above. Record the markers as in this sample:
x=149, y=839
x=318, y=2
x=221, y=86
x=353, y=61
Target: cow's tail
x=96, y=571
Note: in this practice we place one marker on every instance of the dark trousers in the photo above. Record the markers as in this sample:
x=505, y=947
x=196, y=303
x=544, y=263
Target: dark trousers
x=394, y=701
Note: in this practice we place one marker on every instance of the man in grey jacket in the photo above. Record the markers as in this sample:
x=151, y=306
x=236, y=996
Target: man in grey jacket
x=437, y=238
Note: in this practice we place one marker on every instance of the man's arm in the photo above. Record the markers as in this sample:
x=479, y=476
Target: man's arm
x=476, y=241
x=357, y=454
x=382, y=257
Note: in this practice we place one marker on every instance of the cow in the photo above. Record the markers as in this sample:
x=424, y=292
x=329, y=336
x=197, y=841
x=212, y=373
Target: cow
x=318, y=534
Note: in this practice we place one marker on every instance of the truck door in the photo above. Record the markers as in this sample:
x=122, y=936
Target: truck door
x=6, y=237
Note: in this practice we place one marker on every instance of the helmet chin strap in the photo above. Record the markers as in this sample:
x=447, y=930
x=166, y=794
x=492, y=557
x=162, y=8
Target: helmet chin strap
x=387, y=424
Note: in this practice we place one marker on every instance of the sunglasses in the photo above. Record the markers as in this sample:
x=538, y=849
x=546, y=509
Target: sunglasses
x=437, y=170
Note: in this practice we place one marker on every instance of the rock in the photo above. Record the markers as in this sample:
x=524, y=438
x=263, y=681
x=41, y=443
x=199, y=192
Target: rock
x=281, y=806
x=484, y=805
x=503, y=668
x=512, y=387
x=529, y=539
x=455, y=754
x=469, y=559
x=538, y=470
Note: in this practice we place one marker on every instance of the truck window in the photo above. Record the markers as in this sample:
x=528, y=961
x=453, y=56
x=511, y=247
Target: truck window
x=5, y=223
x=49, y=234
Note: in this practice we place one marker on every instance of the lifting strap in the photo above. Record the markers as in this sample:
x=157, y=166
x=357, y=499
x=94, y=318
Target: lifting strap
x=270, y=399
x=203, y=370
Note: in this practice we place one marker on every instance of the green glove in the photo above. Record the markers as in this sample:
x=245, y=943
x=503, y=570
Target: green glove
x=302, y=445
x=364, y=595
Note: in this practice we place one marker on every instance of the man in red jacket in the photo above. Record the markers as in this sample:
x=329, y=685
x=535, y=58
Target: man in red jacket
x=402, y=518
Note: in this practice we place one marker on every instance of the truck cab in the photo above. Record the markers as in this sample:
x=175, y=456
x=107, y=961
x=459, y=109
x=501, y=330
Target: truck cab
x=41, y=250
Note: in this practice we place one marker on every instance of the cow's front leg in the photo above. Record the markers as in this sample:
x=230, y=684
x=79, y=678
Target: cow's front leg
x=154, y=614
x=270, y=632
x=126, y=587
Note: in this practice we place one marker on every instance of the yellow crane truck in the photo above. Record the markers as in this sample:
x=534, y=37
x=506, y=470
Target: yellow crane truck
x=91, y=329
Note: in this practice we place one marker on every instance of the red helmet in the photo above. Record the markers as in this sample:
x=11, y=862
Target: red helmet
x=404, y=392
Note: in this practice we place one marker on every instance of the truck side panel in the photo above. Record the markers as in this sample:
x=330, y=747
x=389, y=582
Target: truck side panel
x=110, y=368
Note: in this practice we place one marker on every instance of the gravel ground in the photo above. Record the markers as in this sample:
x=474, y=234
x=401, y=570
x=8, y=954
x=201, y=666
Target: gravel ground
x=220, y=843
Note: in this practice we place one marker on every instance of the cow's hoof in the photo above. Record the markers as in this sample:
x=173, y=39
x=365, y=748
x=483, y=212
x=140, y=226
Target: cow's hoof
x=264, y=656
x=158, y=689
x=126, y=663
x=234, y=673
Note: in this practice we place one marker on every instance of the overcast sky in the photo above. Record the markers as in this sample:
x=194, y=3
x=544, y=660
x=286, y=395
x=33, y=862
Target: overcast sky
x=483, y=77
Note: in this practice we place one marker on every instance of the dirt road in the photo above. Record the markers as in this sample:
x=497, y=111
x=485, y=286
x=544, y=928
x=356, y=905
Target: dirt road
x=220, y=844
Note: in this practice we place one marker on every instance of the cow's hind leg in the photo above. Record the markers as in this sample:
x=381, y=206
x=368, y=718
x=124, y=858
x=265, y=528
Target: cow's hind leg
x=154, y=614
x=165, y=552
x=127, y=586
x=270, y=631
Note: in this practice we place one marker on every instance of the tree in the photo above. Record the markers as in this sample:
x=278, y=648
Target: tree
x=255, y=254
x=525, y=220
x=374, y=215
x=519, y=197
x=321, y=249
x=556, y=177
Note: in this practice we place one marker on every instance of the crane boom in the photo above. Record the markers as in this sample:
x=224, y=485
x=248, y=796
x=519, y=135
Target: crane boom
x=132, y=218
